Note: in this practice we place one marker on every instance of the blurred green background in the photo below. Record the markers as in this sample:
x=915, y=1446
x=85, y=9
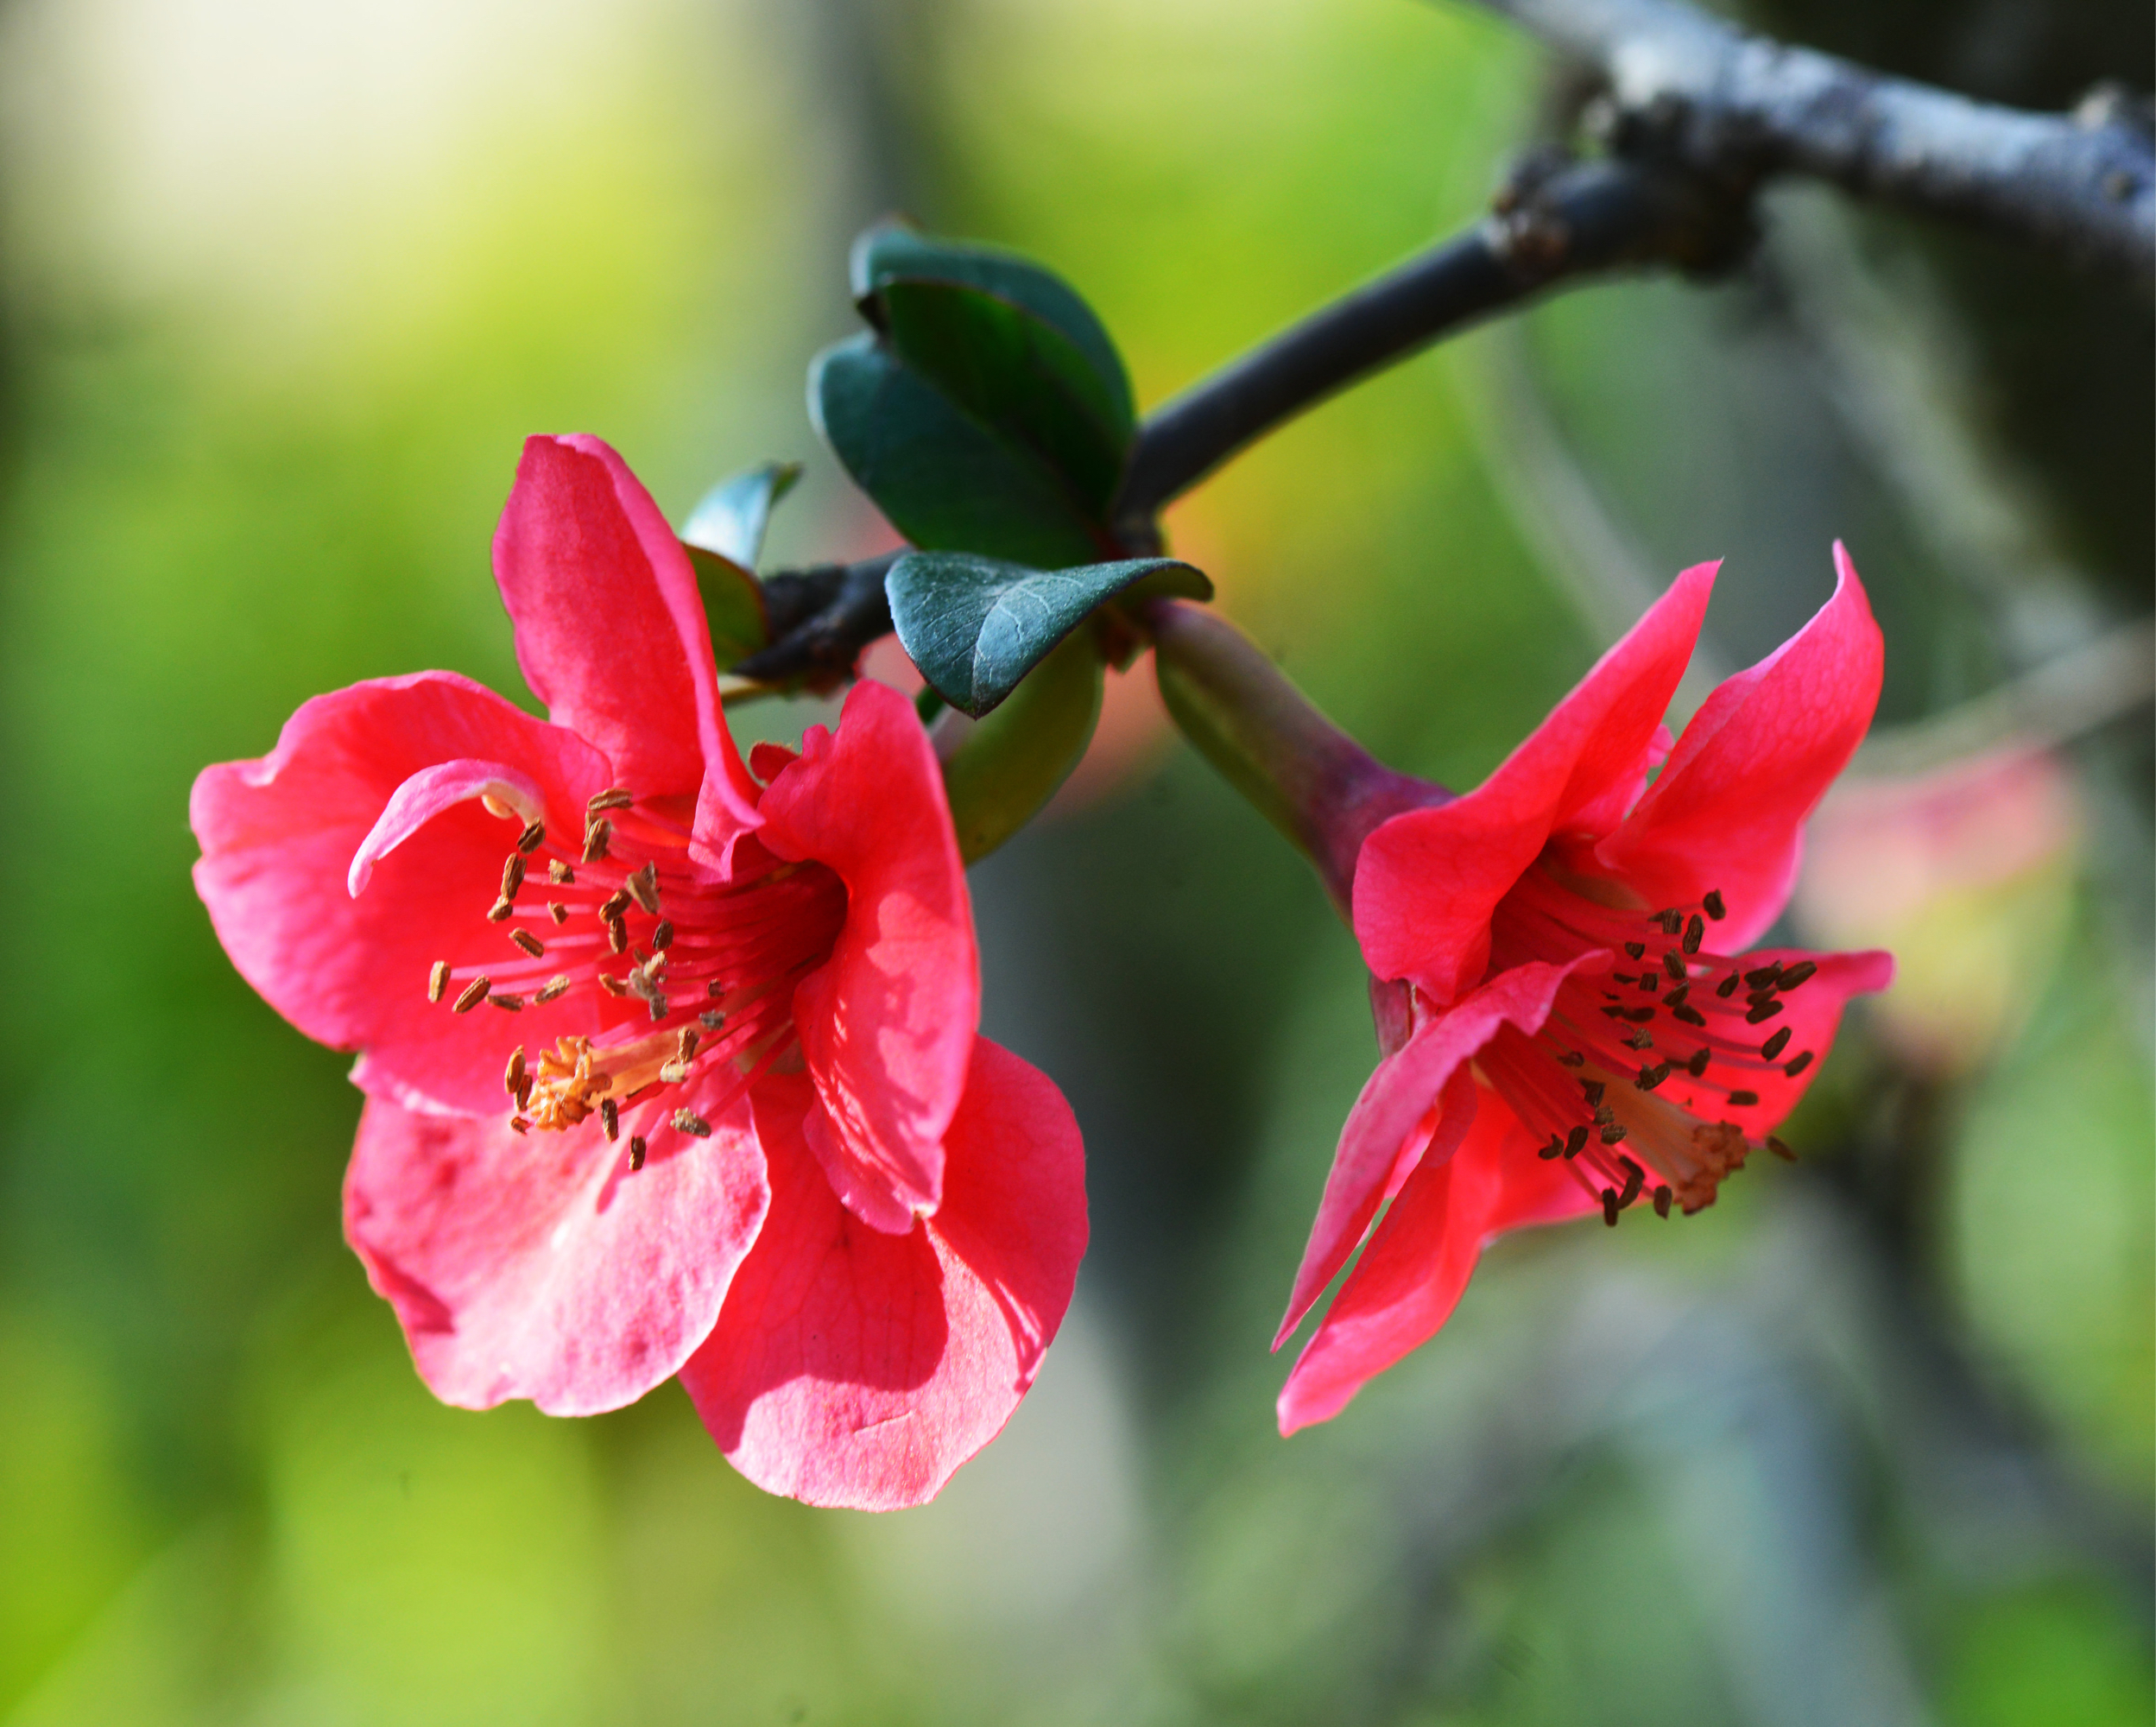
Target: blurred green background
x=1870, y=1442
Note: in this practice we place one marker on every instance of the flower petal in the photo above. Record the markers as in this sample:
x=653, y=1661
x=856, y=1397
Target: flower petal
x=279, y=836
x=886, y=1023
x=1728, y=810
x=611, y=629
x=1391, y=1107
x=426, y=794
x=537, y=1265
x=851, y=1367
x=1426, y=881
x=1411, y=1277
x=1810, y=1015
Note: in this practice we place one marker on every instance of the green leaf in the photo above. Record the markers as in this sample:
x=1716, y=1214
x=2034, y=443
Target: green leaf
x=729, y=519
x=892, y=252
x=945, y=480
x=733, y=606
x=975, y=626
x=1013, y=761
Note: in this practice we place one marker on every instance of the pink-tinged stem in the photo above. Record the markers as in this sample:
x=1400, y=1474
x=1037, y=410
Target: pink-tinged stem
x=1306, y=776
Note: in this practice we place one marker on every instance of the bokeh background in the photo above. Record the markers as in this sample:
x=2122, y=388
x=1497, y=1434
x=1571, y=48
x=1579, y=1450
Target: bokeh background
x=283, y=287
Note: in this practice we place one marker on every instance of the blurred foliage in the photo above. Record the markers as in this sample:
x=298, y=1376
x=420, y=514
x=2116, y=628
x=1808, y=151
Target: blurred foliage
x=284, y=288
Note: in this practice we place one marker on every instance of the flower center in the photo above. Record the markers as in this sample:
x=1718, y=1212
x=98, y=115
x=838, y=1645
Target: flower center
x=691, y=974
x=1669, y=1011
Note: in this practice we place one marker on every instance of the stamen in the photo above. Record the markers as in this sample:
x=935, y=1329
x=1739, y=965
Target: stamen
x=686, y=1046
x=1781, y=1150
x=616, y=936
x=1554, y=1148
x=1742, y=1100
x=514, y=1079
x=559, y=873
x=662, y=936
x=1609, y=1207
x=557, y=911
x=1576, y=1141
x=1651, y=1077
x=1774, y=1045
x=512, y=875
x=613, y=905
x=474, y=993
x=610, y=1118
x=1662, y=1197
x=1567, y=1058
x=508, y=1004
x=1634, y=1178
x=611, y=984
x=713, y=1020
x=533, y=838
x=1641, y=1039
x=437, y=979
x=1687, y=1015
x=1695, y=932
x=690, y=1123
x=674, y=1072
x=1671, y=921
x=520, y=1124
x=1674, y=965
x=530, y=943
x=635, y=1152
x=1698, y=1064
x=1798, y=973
x=1716, y=909
x=1636, y=949
x=644, y=885
x=1615, y=1133
x=555, y=986
x=1763, y=977
x=499, y=911
x=596, y=834
x=1594, y=1089
x=1727, y=987
x=1796, y=1064
x=1764, y=1012
x=615, y=797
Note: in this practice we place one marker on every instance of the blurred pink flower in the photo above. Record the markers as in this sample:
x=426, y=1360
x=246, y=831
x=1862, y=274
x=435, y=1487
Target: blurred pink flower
x=1567, y=1019
x=676, y=1073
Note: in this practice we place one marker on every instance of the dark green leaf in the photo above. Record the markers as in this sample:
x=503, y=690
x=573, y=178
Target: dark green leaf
x=943, y=478
x=1012, y=761
x=733, y=606
x=729, y=519
x=975, y=626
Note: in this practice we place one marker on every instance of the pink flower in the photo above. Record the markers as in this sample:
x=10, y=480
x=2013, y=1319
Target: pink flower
x=667, y=1071
x=1566, y=1018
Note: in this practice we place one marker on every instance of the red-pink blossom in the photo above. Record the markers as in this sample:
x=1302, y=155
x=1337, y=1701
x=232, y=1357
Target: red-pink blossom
x=670, y=1067
x=1567, y=1019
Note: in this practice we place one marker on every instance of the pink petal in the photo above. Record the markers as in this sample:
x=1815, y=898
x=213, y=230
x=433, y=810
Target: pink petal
x=1411, y=1277
x=1391, y=1106
x=1728, y=810
x=851, y=1366
x=426, y=794
x=279, y=839
x=1427, y=880
x=537, y=1265
x=1811, y=1013
x=886, y=1023
x=611, y=629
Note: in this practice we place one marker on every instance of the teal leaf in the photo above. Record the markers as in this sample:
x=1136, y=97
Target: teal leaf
x=975, y=626
x=1011, y=763
x=943, y=479
x=733, y=606
x=729, y=519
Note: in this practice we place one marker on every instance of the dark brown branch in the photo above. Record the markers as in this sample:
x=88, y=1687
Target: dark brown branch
x=820, y=618
x=1703, y=94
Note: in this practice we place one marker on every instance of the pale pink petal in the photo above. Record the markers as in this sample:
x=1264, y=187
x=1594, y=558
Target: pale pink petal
x=887, y=1024
x=853, y=1367
x=279, y=837
x=1399, y=1090
x=1411, y=1277
x=426, y=794
x=539, y=1265
x=1728, y=810
x=1426, y=882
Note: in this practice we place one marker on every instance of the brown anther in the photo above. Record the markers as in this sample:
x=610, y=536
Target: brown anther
x=1662, y=1197
x=1651, y=1077
x=1609, y=1207
x=615, y=797
x=685, y=1047
x=613, y=985
x=616, y=936
x=1641, y=1039
x=559, y=873
x=1764, y=1012
x=473, y=993
x=644, y=885
x=500, y=911
x=658, y=1008
x=1690, y=1016
x=1762, y=977
x=514, y=1079
x=1781, y=1150
x=1796, y=1064
x=512, y=875
x=1695, y=932
x=1554, y=1148
x=558, y=912
x=712, y=1021
x=689, y=1123
x=1594, y=1089
x=530, y=943
x=1698, y=1064
x=437, y=979
x=1713, y=902
x=635, y=1152
x=519, y=1125
x=508, y=1004
x=1744, y=1100
x=1650, y=982
x=715, y=987
x=1678, y=997
x=661, y=936
x=1615, y=1133
x=1727, y=987
x=533, y=836
x=556, y=985
x=1674, y=965
x=1799, y=973
x=1634, y=1178
x=1773, y=1047
x=614, y=905
x=1570, y=1058
x=1576, y=1141
x=1637, y=1016
x=674, y=1072
x=610, y=1118
x=1604, y=1114
x=1669, y=921
x=1636, y=949
x=597, y=836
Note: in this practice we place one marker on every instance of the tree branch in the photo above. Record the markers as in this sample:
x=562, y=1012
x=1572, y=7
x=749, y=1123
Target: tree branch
x=821, y=618
x=1696, y=90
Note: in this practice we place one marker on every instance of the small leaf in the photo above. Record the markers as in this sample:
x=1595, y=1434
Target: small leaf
x=975, y=626
x=944, y=479
x=733, y=606
x=729, y=519
x=1013, y=761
